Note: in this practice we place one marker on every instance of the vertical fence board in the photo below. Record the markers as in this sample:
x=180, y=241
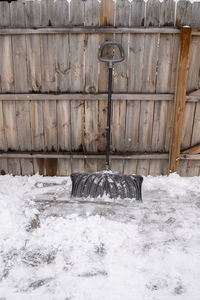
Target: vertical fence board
x=122, y=13
x=135, y=62
x=34, y=63
x=193, y=168
x=64, y=125
x=64, y=167
x=77, y=127
x=183, y=13
x=117, y=166
x=150, y=63
x=196, y=126
x=23, y=125
x=193, y=81
x=77, y=62
x=6, y=65
x=143, y=167
x=152, y=13
x=195, y=15
x=91, y=126
x=130, y=166
x=63, y=70
x=107, y=12
x=45, y=12
x=146, y=125
x=4, y=14
x=14, y=166
x=3, y=166
x=91, y=63
x=26, y=166
x=187, y=125
x=120, y=75
x=48, y=64
x=132, y=126
x=50, y=126
x=37, y=125
x=90, y=165
x=77, y=14
x=3, y=145
x=17, y=14
x=92, y=13
x=19, y=61
x=137, y=17
x=165, y=58
x=118, y=125
x=10, y=125
x=167, y=13
x=32, y=13
x=60, y=13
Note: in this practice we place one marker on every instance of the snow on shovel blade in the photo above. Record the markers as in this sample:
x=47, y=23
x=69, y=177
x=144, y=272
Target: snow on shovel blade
x=111, y=184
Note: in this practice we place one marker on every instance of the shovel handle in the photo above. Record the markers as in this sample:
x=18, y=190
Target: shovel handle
x=108, y=60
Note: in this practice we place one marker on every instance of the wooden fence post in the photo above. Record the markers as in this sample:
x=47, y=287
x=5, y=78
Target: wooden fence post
x=180, y=99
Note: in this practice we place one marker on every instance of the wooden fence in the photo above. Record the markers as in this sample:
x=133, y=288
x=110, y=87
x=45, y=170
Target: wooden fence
x=53, y=89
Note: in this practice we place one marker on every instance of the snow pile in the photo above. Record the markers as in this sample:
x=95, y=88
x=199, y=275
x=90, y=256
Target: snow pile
x=57, y=249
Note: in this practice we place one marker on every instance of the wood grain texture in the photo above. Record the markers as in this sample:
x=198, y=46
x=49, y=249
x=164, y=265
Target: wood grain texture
x=77, y=12
x=183, y=13
x=4, y=14
x=138, y=16
x=6, y=65
x=107, y=12
x=180, y=99
x=152, y=13
x=64, y=125
x=50, y=126
x=92, y=13
x=3, y=144
x=37, y=125
x=167, y=13
x=122, y=13
x=23, y=125
x=10, y=125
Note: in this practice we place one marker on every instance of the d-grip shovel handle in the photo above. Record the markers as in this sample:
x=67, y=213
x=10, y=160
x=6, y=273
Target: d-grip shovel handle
x=108, y=60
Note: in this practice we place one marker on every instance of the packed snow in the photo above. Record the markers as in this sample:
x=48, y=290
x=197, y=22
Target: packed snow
x=55, y=248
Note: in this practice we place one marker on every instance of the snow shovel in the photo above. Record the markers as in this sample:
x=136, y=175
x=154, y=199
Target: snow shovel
x=106, y=182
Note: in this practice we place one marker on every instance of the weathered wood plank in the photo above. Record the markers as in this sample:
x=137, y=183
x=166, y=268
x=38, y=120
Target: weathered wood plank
x=64, y=167
x=26, y=166
x=3, y=144
x=64, y=125
x=60, y=13
x=130, y=166
x=158, y=167
x=152, y=13
x=143, y=167
x=17, y=14
x=50, y=126
x=3, y=166
x=34, y=63
x=192, y=150
x=193, y=168
x=118, y=126
x=77, y=125
x=20, y=66
x=48, y=64
x=195, y=23
x=120, y=75
x=117, y=166
x=77, y=13
x=132, y=126
x=194, y=65
x=23, y=125
x=91, y=126
x=180, y=99
x=159, y=126
x=4, y=14
x=167, y=13
x=89, y=30
x=90, y=165
x=91, y=63
x=183, y=13
x=77, y=62
x=196, y=126
x=107, y=12
x=188, y=125
x=32, y=13
x=14, y=166
x=63, y=69
x=137, y=17
x=135, y=62
x=45, y=12
x=6, y=65
x=145, y=126
x=122, y=13
x=92, y=13
x=86, y=97
x=10, y=125
x=150, y=63
x=37, y=126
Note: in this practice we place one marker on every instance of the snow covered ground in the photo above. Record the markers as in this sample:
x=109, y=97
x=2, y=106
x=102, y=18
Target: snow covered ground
x=56, y=249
